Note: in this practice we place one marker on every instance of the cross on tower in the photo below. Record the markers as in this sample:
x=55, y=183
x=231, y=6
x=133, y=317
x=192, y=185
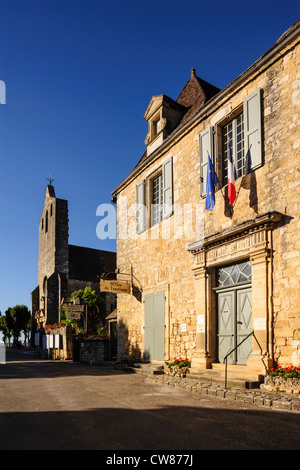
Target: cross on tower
x=50, y=180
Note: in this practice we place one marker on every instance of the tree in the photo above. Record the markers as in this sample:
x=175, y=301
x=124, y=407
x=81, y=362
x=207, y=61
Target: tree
x=96, y=307
x=17, y=319
x=4, y=328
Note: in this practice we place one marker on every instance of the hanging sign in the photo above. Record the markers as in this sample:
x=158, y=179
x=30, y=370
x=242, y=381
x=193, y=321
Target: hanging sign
x=116, y=287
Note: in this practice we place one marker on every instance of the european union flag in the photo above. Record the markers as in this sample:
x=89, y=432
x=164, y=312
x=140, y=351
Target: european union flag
x=211, y=180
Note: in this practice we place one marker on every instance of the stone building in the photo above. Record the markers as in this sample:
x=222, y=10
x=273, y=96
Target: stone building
x=64, y=268
x=209, y=278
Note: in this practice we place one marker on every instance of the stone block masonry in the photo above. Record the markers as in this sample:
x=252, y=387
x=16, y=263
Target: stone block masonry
x=259, y=398
x=94, y=351
x=263, y=227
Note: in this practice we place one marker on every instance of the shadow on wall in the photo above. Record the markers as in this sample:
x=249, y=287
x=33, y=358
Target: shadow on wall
x=129, y=341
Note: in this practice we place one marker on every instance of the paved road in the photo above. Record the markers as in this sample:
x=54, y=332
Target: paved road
x=47, y=405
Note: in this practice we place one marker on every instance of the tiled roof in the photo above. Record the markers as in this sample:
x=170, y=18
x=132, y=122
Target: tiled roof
x=193, y=96
x=112, y=316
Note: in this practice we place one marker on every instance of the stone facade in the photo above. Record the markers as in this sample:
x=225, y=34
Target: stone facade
x=64, y=268
x=182, y=254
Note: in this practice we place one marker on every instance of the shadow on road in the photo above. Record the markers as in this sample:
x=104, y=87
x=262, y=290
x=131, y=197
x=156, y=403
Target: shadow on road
x=169, y=428
x=75, y=410
x=19, y=362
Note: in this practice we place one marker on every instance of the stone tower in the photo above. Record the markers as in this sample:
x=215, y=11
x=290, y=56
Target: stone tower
x=64, y=268
x=53, y=267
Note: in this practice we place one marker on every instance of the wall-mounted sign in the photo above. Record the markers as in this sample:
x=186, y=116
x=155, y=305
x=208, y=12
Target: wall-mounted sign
x=56, y=341
x=200, y=324
x=259, y=323
x=116, y=287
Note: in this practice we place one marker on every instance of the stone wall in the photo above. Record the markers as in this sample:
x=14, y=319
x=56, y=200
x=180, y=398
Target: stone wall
x=94, y=351
x=279, y=384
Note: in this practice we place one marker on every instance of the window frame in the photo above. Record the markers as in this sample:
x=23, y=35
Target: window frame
x=234, y=122
x=253, y=158
x=158, y=178
x=144, y=188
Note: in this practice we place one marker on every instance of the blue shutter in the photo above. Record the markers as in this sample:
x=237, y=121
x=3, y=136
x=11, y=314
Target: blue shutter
x=252, y=130
x=206, y=145
x=167, y=187
x=140, y=207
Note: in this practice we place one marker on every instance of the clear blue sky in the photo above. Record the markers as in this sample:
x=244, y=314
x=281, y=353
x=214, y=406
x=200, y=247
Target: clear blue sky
x=79, y=75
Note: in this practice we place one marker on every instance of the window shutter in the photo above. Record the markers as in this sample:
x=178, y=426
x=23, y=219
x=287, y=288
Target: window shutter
x=167, y=187
x=253, y=134
x=206, y=145
x=140, y=207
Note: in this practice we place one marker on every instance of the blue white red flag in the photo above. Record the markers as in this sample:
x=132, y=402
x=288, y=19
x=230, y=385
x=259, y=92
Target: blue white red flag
x=231, y=179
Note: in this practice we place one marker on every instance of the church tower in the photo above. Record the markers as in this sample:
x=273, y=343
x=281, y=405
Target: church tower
x=64, y=268
x=53, y=265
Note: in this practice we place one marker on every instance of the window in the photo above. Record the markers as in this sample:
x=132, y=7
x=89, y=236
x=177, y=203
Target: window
x=233, y=138
x=157, y=200
x=157, y=127
x=243, y=135
x=234, y=274
x=46, y=222
x=154, y=197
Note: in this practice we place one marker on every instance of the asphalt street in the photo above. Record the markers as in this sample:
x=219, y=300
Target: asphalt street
x=53, y=405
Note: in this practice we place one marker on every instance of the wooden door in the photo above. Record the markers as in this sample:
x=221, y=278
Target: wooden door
x=154, y=340
x=244, y=324
x=226, y=325
x=234, y=324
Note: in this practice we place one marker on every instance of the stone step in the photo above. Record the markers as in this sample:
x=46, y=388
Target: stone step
x=239, y=379
x=235, y=368
x=147, y=368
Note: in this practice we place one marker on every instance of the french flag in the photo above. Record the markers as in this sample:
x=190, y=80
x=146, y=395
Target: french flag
x=231, y=179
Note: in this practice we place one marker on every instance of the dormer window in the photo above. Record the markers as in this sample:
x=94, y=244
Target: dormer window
x=163, y=115
x=156, y=127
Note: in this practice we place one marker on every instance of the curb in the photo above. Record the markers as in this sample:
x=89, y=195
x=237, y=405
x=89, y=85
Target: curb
x=257, y=397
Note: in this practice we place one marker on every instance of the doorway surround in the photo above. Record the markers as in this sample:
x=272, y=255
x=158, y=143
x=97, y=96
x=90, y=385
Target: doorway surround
x=250, y=240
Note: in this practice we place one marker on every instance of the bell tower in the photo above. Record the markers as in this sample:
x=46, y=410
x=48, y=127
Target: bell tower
x=53, y=264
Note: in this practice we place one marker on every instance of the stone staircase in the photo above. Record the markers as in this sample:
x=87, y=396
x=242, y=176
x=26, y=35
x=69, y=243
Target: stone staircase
x=237, y=376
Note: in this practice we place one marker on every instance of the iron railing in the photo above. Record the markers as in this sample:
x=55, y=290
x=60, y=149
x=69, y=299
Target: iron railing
x=234, y=349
